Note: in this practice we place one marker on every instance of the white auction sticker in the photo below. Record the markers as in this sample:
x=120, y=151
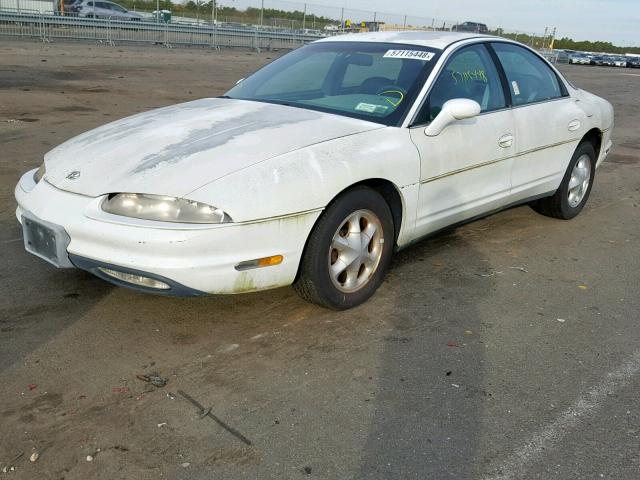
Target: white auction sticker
x=516, y=88
x=415, y=54
x=371, y=108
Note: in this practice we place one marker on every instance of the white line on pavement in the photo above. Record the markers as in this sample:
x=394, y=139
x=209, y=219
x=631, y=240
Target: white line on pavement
x=585, y=405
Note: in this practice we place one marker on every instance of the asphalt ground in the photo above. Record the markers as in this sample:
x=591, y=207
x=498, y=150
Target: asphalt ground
x=505, y=349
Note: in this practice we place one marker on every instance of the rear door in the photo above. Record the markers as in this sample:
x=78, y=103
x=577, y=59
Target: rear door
x=548, y=123
x=465, y=170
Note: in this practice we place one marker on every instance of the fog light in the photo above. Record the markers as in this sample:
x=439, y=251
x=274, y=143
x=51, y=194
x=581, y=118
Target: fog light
x=135, y=279
x=259, y=262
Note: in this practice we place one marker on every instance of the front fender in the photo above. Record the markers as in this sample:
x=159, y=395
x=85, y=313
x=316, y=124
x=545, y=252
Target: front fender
x=309, y=178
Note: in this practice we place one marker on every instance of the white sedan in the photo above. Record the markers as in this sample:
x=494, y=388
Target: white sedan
x=314, y=169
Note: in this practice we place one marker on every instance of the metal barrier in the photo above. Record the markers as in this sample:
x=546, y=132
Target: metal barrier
x=112, y=30
x=26, y=23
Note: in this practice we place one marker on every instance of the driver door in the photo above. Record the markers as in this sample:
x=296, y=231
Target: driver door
x=465, y=169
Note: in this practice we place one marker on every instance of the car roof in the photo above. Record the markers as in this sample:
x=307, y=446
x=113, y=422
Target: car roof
x=439, y=40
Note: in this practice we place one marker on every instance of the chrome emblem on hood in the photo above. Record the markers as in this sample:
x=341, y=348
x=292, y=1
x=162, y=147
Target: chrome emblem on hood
x=73, y=175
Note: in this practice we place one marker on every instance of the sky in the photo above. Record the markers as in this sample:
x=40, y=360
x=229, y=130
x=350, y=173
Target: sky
x=617, y=21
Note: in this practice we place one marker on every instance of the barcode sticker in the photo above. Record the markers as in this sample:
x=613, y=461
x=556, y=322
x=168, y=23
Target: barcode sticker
x=414, y=54
x=516, y=88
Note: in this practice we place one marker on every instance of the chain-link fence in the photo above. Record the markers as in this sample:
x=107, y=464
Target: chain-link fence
x=257, y=24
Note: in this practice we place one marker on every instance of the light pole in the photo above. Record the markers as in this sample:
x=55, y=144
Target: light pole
x=262, y=12
x=304, y=16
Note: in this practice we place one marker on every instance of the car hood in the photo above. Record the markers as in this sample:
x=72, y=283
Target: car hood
x=175, y=150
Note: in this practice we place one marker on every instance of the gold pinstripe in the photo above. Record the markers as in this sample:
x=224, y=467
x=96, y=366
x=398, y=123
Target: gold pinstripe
x=497, y=160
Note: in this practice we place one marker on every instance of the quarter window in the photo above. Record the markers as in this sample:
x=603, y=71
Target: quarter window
x=530, y=78
x=469, y=73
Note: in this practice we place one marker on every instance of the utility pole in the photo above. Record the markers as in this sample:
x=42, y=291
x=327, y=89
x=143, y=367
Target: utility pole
x=261, y=12
x=304, y=16
x=404, y=25
x=157, y=11
x=342, y=19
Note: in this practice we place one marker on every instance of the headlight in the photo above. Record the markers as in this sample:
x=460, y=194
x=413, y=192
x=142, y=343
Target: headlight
x=39, y=173
x=164, y=209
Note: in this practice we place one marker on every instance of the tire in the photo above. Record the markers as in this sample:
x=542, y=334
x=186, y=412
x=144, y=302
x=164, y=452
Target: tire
x=561, y=204
x=330, y=243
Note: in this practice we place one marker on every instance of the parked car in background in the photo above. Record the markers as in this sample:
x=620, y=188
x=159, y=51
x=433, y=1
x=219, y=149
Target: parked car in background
x=317, y=167
x=103, y=9
x=473, y=27
x=609, y=61
x=68, y=5
x=633, y=62
x=579, y=59
x=620, y=62
x=597, y=60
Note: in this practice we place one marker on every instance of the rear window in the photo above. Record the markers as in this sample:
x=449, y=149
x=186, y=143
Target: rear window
x=530, y=78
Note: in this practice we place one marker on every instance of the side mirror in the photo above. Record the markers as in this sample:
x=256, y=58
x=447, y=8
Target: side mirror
x=452, y=110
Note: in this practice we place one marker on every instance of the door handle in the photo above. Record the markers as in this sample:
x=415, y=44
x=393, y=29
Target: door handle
x=506, y=141
x=574, y=125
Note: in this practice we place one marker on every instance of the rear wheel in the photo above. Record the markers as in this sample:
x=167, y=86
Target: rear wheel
x=348, y=251
x=573, y=192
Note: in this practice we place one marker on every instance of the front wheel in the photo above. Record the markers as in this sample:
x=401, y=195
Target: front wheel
x=573, y=192
x=348, y=251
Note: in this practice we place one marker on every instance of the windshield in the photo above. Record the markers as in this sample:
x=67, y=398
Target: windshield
x=371, y=81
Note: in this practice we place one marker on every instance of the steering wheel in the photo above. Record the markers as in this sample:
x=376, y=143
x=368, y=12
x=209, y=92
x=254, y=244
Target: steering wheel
x=392, y=94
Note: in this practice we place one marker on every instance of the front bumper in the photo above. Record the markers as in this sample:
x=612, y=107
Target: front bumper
x=191, y=259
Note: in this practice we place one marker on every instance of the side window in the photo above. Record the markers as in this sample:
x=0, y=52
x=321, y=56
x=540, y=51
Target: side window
x=530, y=78
x=469, y=73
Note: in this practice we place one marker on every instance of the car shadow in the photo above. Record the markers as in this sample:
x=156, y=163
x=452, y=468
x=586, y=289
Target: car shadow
x=426, y=421
x=40, y=301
